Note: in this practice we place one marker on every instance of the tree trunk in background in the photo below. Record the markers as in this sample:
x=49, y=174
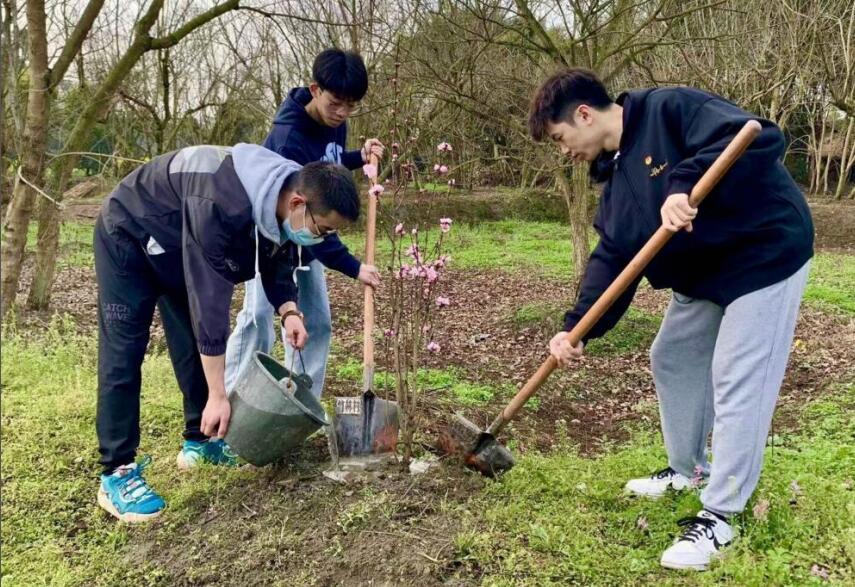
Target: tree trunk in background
x=35, y=138
x=575, y=186
x=96, y=108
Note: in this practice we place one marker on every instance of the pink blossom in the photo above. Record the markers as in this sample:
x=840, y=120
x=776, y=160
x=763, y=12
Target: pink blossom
x=436, y=167
x=388, y=333
x=414, y=231
x=404, y=271
x=396, y=146
x=376, y=190
x=433, y=347
x=445, y=224
x=443, y=147
x=443, y=169
x=413, y=251
x=442, y=261
x=370, y=171
x=394, y=156
x=399, y=229
x=442, y=301
x=430, y=274
x=451, y=183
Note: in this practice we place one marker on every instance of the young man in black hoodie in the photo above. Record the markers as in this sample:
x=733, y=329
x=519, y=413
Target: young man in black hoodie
x=311, y=125
x=737, y=268
x=179, y=232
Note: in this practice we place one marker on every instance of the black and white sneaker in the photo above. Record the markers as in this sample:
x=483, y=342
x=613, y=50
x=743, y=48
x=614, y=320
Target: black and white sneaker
x=658, y=483
x=703, y=538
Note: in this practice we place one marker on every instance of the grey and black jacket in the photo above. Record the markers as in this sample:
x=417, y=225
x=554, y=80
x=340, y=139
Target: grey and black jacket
x=212, y=212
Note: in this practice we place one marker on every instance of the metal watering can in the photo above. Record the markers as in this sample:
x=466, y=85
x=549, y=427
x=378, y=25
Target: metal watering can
x=273, y=410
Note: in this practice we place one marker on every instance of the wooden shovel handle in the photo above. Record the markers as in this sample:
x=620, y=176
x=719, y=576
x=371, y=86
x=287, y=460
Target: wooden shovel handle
x=368, y=302
x=635, y=267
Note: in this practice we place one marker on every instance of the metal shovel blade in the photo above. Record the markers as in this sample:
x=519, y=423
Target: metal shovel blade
x=365, y=425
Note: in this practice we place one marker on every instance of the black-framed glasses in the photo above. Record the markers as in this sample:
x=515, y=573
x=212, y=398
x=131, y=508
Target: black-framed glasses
x=336, y=103
x=317, y=232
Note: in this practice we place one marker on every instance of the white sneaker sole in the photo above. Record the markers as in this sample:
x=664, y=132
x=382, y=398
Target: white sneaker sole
x=130, y=517
x=683, y=566
x=633, y=493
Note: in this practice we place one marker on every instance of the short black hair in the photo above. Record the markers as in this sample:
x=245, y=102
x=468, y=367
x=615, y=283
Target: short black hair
x=328, y=186
x=341, y=72
x=559, y=96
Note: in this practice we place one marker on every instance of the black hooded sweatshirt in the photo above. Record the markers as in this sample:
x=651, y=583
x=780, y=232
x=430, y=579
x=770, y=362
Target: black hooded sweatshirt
x=753, y=230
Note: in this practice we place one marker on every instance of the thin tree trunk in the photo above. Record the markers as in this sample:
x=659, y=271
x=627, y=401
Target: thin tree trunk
x=48, y=236
x=35, y=138
x=847, y=156
x=577, y=195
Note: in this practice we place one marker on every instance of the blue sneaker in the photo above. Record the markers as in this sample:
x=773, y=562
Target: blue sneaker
x=127, y=496
x=213, y=452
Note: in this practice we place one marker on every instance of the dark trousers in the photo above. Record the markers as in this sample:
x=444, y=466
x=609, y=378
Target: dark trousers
x=130, y=284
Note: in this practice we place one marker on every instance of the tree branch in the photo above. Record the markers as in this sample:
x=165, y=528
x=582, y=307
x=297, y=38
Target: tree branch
x=75, y=41
x=191, y=25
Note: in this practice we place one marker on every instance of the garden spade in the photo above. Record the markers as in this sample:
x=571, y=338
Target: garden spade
x=479, y=448
x=366, y=424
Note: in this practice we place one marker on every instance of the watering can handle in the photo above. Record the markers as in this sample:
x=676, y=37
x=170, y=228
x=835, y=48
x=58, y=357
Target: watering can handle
x=368, y=303
x=635, y=267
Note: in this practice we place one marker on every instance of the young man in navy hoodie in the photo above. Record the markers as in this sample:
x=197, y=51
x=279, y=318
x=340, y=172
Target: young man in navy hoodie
x=179, y=232
x=737, y=269
x=311, y=125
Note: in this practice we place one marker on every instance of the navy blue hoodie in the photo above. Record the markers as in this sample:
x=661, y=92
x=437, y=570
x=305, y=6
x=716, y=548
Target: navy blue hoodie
x=753, y=230
x=297, y=136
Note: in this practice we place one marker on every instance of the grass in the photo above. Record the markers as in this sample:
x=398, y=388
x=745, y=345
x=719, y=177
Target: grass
x=75, y=243
x=831, y=285
x=556, y=519
x=539, y=248
x=450, y=382
x=561, y=519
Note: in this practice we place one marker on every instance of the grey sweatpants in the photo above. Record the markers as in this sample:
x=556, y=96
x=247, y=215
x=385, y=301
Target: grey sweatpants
x=720, y=369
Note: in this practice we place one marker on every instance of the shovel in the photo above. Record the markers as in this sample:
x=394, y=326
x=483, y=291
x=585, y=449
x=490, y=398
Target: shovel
x=479, y=448
x=366, y=424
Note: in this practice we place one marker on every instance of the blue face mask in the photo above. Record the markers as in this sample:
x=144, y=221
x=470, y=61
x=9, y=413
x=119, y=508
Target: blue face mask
x=302, y=236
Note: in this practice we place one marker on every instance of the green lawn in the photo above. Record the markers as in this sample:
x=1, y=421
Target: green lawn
x=540, y=249
x=560, y=519
x=556, y=519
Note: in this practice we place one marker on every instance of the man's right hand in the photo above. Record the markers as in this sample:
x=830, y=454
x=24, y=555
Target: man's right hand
x=563, y=351
x=369, y=275
x=294, y=332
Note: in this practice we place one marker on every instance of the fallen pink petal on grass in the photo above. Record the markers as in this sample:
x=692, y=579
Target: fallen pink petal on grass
x=761, y=510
